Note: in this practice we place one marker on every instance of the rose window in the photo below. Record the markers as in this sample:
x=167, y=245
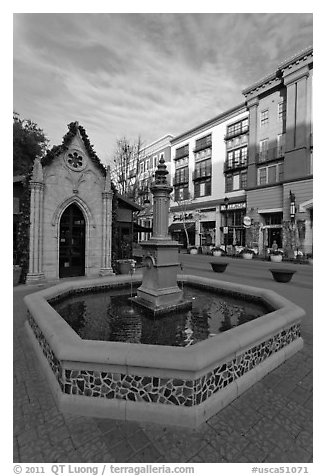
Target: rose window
x=75, y=160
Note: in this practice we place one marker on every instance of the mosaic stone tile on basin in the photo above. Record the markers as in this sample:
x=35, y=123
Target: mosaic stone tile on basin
x=166, y=391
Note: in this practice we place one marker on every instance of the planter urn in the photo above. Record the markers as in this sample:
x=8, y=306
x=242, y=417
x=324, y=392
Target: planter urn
x=276, y=258
x=193, y=251
x=217, y=253
x=219, y=267
x=124, y=267
x=247, y=255
x=282, y=275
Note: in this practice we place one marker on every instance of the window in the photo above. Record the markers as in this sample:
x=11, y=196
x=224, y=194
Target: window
x=180, y=193
x=204, y=142
x=263, y=150
x=237, y=157
x=243, y=180
x=229, y=183
x=271, y=174
x=264, y=117
x=239, y=127
x=181, y=175
x=182, y=151
x=281, y=111
x=236, y=182
x=201, y=189
x=203, y=169
x=141, y=168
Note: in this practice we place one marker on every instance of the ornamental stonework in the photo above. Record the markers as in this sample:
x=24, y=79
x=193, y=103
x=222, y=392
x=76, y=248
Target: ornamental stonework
x=75, y=160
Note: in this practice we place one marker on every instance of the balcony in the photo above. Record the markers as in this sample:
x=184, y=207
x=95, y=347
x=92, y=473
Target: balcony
x=202, y=173
x=270, y=154
x=237, y=132
x=235, y=165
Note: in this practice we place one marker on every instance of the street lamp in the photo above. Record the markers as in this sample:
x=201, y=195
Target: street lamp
x=226, y=229
x=292, y=206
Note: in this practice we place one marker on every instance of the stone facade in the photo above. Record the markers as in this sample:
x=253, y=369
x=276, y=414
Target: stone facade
x=72, y=177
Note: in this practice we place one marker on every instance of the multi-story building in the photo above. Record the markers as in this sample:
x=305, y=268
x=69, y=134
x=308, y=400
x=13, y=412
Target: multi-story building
x=279, y=178
x=199, y=161
x=245, y=177
x=148, y=160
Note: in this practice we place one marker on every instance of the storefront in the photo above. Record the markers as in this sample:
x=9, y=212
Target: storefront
x=183, y=224
x=272, y=229
x=233, y=231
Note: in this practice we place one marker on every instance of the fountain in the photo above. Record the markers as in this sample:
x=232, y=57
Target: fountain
x=130, y=380
x=159, y=292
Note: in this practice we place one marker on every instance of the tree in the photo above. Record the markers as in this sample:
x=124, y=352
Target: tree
x=29, y=141
x=184, y=207
x=125, y=170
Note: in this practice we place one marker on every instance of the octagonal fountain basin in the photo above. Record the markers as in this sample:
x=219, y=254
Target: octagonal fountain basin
x=114, y=372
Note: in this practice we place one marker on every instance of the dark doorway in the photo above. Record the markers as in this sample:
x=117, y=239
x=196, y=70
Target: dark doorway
x=72, y=243
x=275, y=234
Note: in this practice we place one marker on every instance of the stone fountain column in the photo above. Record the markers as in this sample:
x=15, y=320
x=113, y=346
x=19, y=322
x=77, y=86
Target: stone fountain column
x=159, y=291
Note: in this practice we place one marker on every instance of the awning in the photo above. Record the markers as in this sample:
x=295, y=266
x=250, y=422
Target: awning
x=179, y=228
x=139, y=228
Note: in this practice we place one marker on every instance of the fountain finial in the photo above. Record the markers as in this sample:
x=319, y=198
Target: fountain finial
x=161, y=173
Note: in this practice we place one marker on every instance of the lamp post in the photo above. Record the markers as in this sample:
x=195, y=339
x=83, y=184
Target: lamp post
x=292, y=206
x=226, y=229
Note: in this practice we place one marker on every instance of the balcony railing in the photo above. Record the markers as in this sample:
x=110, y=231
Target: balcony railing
x=228, y=166
x=237, y=132
x=202, y=173
x=270, y=154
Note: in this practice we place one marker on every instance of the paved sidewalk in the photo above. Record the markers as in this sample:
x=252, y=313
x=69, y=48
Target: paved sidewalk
x=271, y=422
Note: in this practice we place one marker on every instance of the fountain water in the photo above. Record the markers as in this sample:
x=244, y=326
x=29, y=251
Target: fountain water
x=159, y=292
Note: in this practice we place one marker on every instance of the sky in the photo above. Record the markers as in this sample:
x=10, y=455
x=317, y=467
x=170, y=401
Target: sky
x=143, y=74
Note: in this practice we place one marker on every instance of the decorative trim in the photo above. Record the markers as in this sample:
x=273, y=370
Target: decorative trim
x=73, y=199
x=165, y=391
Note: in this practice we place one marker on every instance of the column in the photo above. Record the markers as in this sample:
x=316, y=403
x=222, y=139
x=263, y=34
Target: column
x=252, y=105
x=106, y=260
x=35, y=272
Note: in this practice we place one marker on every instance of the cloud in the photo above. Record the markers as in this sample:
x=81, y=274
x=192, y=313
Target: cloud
x=148, y=74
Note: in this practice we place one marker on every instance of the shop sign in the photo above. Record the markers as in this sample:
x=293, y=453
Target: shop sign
x=233, y=206
x=246, y=221
x=183, y=216
x=225, y=230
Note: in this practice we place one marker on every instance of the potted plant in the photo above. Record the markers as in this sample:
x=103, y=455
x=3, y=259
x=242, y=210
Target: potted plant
x=247, y=253
x=276, y=256
x=126, y=266
x=193, y=250
x=217, y=251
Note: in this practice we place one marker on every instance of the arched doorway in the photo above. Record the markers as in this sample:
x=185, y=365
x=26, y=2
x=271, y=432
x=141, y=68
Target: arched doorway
x=72, y=242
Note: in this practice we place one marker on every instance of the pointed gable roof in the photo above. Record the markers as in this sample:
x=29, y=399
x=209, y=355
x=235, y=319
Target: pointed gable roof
x=73, y=129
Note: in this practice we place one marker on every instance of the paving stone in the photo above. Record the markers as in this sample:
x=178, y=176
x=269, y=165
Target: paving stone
x=305, y=441
x=254, y=453
x=149, y=454
x=300, y=395
x=293, y=454
x=209, y=454
x=138, y=440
